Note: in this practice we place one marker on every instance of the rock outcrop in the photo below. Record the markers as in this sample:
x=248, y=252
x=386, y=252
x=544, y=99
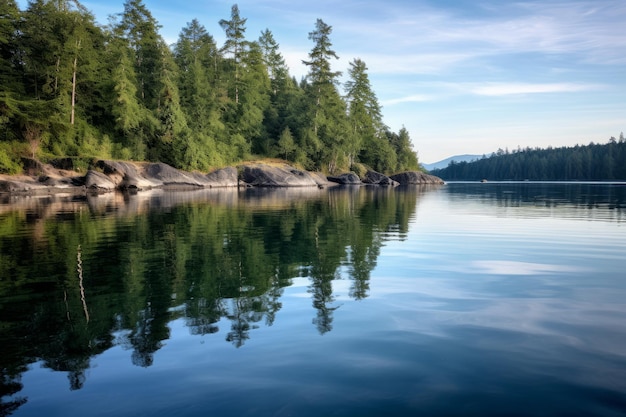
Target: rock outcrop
x=265, y=175
x=349, y=178
x=107, y=176
x=98, y=182
x=135, y=176
x=225, y=177
x=376, y=178
x=415, y=177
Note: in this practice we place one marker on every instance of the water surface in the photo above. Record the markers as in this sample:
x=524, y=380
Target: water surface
x=465, y=299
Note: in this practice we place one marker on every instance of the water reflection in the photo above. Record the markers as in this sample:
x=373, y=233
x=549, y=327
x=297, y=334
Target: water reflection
x=219, y=298
x=78, y=271
x=589, y=200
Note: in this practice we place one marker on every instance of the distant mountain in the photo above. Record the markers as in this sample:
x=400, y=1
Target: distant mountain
x=457, y=158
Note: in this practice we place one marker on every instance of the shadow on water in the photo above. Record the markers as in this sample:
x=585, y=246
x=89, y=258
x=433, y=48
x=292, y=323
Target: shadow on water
x=80, y=276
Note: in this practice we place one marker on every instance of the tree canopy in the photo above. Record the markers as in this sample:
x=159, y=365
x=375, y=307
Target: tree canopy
x=73, y=88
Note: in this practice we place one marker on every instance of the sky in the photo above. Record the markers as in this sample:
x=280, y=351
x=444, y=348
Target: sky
x=462, y=76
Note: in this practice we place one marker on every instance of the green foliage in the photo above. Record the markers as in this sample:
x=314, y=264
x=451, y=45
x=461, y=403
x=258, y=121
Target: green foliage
x=584, y=163
x=10, y=157
x=286, y=145
x=72, y=88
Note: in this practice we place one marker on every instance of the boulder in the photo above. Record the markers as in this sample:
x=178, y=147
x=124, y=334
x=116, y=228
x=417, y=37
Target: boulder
x=225, y=177
x=416, y=177
x=168, y=175
x=349, y=178
x=126, y=175
x=98, y=182
x=263, y=175
x=373, y=177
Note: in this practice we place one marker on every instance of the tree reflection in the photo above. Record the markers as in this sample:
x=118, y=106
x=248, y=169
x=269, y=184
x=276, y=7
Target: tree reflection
x=9, y=386
x=87, y=277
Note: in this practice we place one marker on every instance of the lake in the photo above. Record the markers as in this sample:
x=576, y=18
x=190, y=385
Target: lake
x=458, y=300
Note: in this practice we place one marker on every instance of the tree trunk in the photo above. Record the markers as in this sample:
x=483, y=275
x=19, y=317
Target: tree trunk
x=73, y=91
x=74, y=83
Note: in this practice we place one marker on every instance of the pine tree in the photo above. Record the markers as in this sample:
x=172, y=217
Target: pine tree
x=407, y=158
x=282, y=90
x=255, y=101
x=327, y=111
x=9, y=52
x=61, y=47
x=140, y=30
x=235, y=44
x=286, y=144
x=134, y=123
x=173, y=135
x=197, y=56
x=364, y=112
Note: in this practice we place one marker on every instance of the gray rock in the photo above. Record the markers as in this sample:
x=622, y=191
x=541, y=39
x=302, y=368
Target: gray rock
x=97, y=181
x=263, y=175
x=225, y=177
x=127, y=175
x=415, y=177
x=373, y=177
x=168, y=175
x=349, y=178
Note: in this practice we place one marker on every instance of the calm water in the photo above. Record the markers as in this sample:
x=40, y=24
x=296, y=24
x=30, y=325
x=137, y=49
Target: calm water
x=495, y=299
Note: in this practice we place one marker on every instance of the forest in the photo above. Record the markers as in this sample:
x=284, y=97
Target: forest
x=70, y=87
x=593, y=162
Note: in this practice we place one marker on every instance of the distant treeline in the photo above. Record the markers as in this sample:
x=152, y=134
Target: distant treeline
x=583, y=163
x=71, y=87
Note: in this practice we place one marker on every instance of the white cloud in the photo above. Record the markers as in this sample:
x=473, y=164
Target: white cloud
x=586, y=31
x=416, y=98
x=503, y=89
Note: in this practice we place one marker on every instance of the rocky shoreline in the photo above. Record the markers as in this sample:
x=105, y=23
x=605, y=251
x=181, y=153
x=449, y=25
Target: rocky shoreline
x=108, y=176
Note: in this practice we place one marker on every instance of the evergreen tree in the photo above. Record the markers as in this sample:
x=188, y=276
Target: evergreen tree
x=134, y=122
x=327, y=112
x=364, y=112
x=197, y=58
x=11, y=91
x=274, y=61
x=286, y=144
x=235, y=44
x=62, y=47
x=140, y=30
x=281, y=91
x=407, y=158
x=173, y=133
x=255, y=101
x=9, y=52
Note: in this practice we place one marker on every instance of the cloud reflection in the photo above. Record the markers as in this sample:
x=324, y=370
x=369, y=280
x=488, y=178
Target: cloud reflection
x=496, y=267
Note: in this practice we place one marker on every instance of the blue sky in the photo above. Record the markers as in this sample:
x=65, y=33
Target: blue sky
x=465, y=76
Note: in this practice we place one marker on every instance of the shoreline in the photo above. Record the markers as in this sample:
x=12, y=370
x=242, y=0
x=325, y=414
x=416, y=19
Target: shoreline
x=107, y=176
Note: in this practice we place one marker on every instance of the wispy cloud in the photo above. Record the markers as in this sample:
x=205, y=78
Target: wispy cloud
x=585, y=31
x=505, y=89
x=415, y=98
